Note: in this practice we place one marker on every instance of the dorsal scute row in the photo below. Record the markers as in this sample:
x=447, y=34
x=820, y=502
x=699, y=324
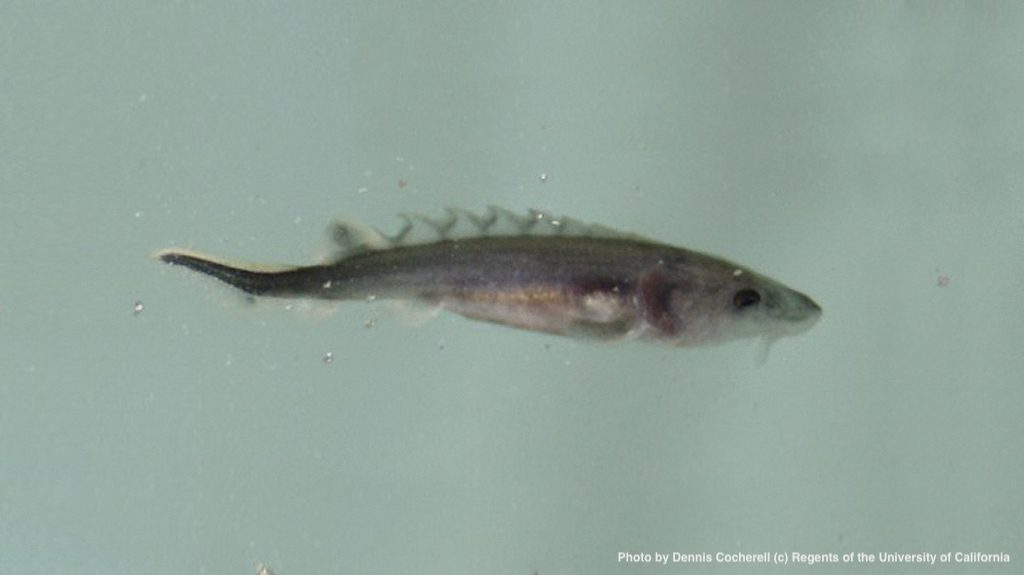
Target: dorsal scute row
x=352, y=238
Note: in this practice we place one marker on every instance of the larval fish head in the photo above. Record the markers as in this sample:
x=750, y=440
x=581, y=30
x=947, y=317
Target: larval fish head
x=712, y=301
x=752, y=305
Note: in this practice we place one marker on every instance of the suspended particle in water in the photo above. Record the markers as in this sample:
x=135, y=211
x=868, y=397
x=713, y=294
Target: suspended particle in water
x=262, y=569
x=137, y=308
x=369, y=323
x=544, y=177
x=329, y=357
x=942, y=280
x=402, y=183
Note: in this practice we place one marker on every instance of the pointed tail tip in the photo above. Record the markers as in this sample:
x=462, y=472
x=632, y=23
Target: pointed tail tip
x=223, y=270
x=255, y=280
x=201, y=263
x=180, y=257
x=167, y=255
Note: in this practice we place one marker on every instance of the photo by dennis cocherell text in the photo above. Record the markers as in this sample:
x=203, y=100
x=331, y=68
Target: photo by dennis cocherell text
x=795, y=557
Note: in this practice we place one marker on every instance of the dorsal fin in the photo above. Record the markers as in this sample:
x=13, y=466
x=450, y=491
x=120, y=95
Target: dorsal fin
x=352, y=238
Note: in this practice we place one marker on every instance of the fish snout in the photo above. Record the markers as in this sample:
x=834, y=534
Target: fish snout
x=808, y=305
x=804, y=313
x=797, y=310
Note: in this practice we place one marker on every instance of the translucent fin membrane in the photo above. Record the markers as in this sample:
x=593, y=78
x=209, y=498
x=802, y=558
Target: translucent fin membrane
x=352, y=238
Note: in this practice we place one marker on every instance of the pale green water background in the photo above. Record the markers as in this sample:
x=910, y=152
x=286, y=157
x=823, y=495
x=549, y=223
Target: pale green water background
x=870, y=154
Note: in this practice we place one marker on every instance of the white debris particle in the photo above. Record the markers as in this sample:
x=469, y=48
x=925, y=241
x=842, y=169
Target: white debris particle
x=329, y=357
x=137, y=308
x=544, y=177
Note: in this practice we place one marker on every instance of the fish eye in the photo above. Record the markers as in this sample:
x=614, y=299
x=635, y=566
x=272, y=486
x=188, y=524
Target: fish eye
x=746, y=298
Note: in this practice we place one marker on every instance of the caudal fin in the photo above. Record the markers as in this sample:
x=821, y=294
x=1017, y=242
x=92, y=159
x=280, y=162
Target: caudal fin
x=255, y=281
